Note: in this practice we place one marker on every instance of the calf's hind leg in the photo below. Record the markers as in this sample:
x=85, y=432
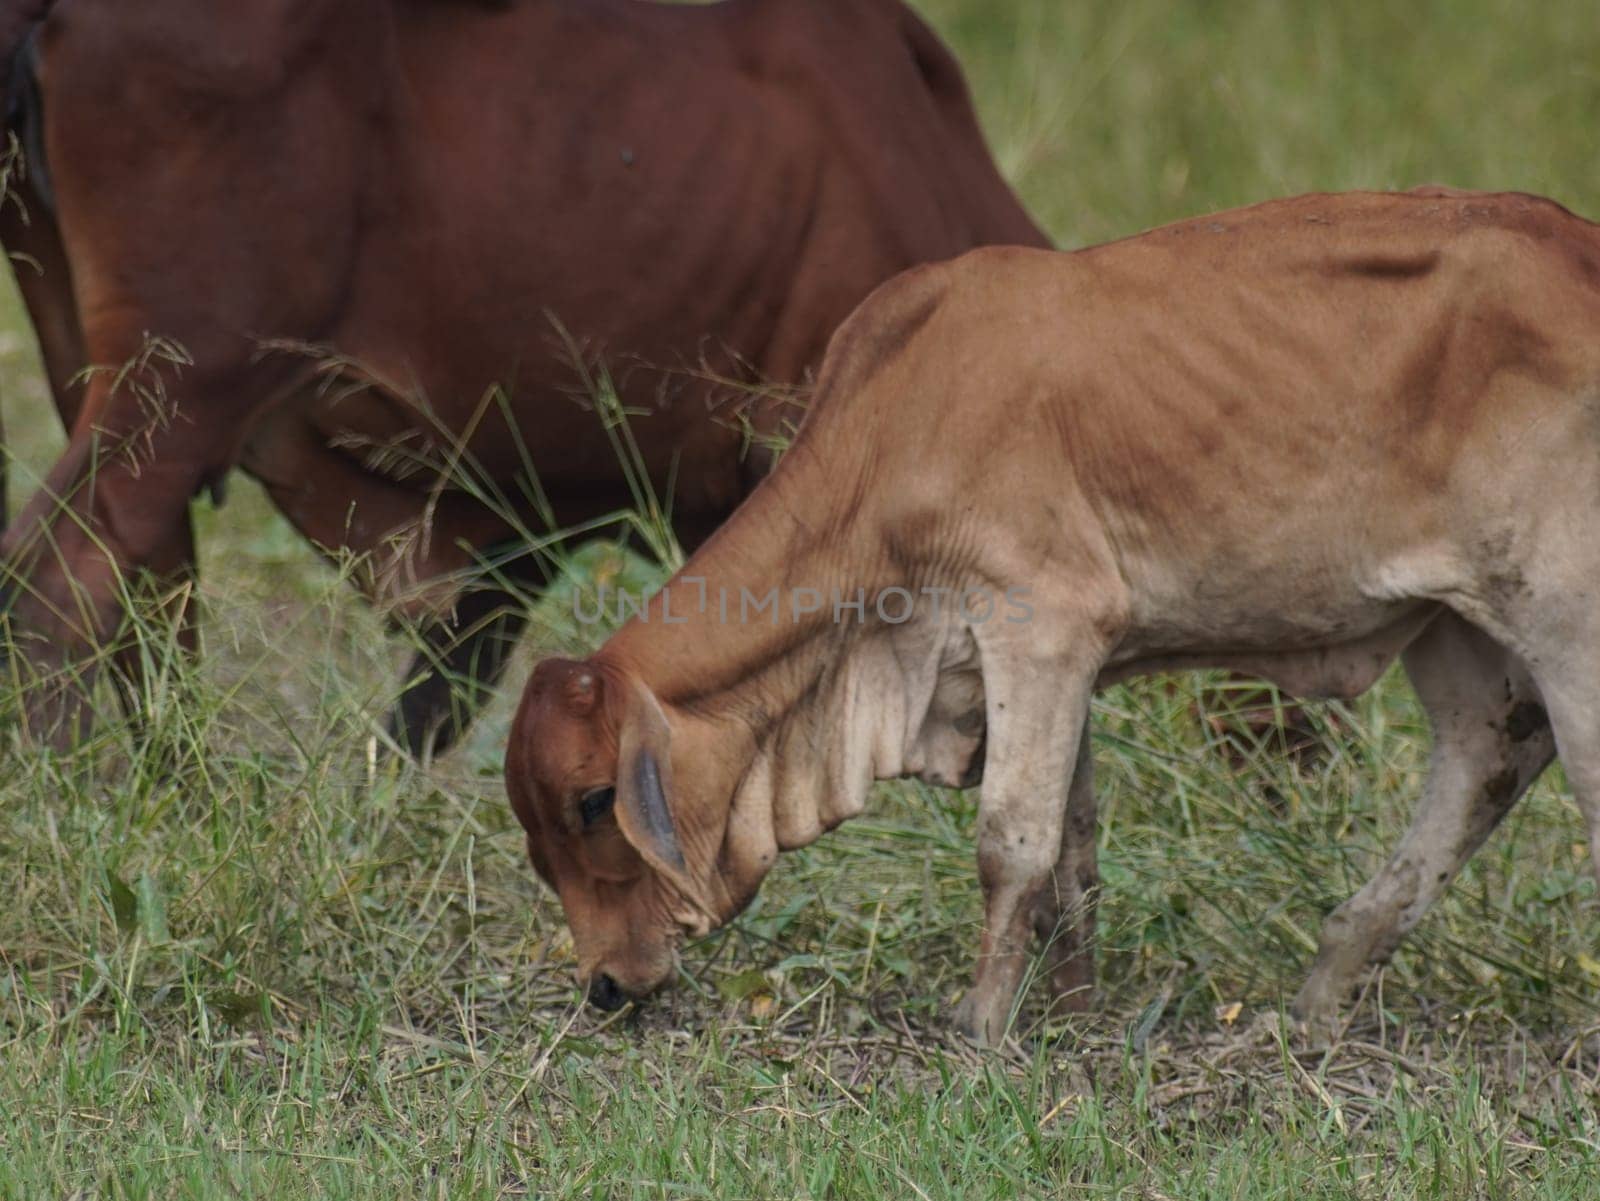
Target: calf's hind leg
x=1556, y=625
x=1571, y=689
x=1491, y=739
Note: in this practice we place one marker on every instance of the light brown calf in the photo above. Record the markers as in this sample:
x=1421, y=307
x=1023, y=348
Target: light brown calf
x=1086, y=442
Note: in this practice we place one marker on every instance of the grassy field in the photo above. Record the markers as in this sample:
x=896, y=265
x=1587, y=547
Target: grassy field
x=294, y=969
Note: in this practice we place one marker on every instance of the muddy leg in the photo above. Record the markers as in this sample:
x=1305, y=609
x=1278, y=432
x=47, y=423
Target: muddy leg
x=1491, y=740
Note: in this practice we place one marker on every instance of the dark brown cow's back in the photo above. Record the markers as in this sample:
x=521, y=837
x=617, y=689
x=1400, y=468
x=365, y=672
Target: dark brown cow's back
x=447, y=202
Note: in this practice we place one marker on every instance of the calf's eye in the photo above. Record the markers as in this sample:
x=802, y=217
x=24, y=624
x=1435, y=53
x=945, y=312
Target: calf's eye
x=595, y=804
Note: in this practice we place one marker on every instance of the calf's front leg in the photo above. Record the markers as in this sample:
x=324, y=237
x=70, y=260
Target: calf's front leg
x=1037, y=712
x=1064, y=911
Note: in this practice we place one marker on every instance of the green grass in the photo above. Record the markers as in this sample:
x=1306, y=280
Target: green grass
x=292, y=968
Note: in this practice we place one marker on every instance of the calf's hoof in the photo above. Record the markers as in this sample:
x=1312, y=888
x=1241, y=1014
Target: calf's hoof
x=980, y=1023
x=1317, y=1007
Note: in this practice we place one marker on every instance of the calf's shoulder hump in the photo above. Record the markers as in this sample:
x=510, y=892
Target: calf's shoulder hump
x=882, y=327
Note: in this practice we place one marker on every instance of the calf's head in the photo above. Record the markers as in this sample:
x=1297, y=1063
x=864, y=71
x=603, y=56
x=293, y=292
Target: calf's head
x=589, y=775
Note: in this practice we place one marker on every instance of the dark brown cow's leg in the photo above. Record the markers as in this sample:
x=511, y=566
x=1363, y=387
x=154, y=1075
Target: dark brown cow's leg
x=1246, y=717
x=111, y=517
x=467, y=638
x=32, y=240
x=463, y=656
x=168, y=610
x=461, y=659
x=29, y=233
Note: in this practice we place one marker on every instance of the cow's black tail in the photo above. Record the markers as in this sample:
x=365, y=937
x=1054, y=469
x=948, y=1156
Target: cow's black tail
x=19, y=89
x=24, y=116
x=19, y=20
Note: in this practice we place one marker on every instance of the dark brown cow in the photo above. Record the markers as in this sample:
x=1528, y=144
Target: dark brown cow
x=427, y=191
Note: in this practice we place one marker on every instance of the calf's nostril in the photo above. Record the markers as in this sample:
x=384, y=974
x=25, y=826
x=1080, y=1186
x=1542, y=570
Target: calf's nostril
x=604, y=993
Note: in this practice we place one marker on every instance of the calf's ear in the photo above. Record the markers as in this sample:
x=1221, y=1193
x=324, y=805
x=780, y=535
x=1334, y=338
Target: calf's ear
x=644, y=789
